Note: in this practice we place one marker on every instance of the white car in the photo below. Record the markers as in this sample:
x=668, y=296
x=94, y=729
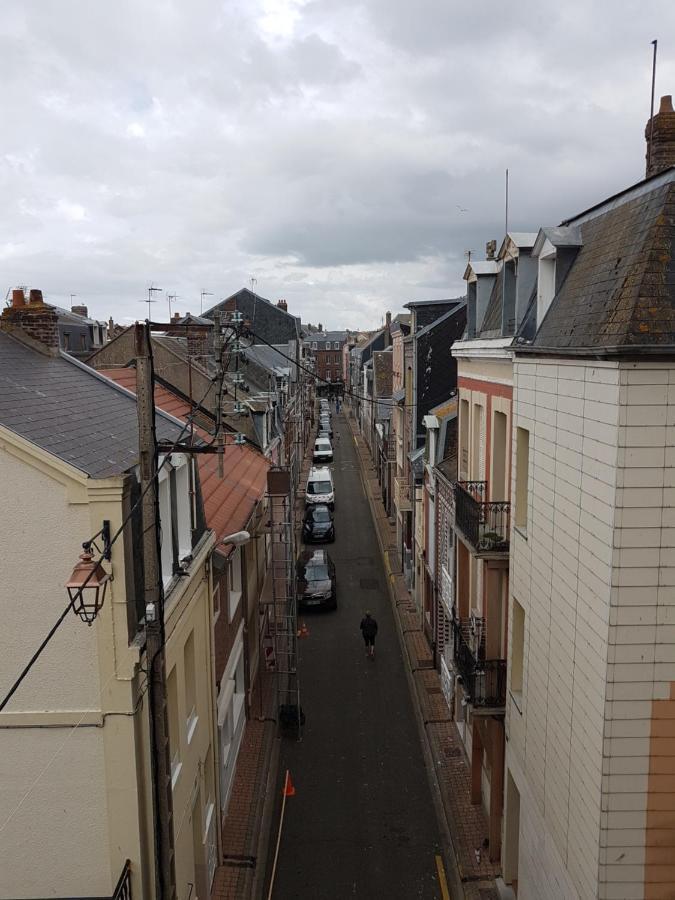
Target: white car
x=323, y=451
x=320, y=487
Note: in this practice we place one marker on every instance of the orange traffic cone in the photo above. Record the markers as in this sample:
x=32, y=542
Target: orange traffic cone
x=303, y=631
x=289, y=788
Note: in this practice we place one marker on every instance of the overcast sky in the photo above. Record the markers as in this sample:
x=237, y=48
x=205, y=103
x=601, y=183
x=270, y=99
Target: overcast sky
x=344, y=153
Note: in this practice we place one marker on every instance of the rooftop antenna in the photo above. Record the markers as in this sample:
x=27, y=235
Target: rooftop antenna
x=169, y=298
x=506, y=204
x=468, y=253
x=151, y=290
x=253, y=282
x=71, y=298
x=651, y=116
x=201, y=302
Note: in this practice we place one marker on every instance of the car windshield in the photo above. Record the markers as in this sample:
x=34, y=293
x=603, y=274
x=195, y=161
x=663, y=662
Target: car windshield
x=317, y=572
x=321, y=515
x=319, y=487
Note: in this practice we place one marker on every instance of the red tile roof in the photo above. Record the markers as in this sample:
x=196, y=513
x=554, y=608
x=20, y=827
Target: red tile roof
x=228, y=502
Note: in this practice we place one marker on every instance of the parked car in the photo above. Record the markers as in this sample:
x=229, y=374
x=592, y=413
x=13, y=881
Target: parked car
x=323, y=450
x=316, y=584
x=324, y=425
x=320, y=487
x=318, y=524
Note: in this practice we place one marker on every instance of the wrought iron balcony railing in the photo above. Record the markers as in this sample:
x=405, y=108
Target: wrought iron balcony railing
x=402, y=494
x=484, y=679
x=485, y=524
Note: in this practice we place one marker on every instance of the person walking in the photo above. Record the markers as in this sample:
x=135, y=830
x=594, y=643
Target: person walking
x=369, y=631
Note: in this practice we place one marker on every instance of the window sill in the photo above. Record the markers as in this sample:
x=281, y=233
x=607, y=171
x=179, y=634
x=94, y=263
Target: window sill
x=517, y=698
x=192, y=721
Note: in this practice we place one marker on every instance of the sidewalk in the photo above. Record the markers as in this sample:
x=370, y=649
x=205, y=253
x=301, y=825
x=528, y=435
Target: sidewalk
x=467, y=823
x=246, y=827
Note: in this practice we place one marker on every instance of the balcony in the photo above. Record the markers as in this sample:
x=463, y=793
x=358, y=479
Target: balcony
x=484, y=679
x=402, y=495
x=484, y=525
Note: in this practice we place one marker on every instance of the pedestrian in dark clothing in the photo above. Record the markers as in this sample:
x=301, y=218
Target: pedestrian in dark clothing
x=369, y=630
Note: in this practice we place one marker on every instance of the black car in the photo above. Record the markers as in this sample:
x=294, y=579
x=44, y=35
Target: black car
x=316, y=584
x=318, y=524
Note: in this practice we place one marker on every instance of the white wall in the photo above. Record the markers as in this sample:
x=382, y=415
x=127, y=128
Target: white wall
x=56, y=843
x=561, y=573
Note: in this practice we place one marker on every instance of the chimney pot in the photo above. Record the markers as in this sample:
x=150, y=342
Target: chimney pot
x=36, y=297
x=18, y=297
x=660, y=135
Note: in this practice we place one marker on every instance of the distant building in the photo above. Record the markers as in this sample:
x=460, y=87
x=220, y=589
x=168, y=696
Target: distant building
x=326, y=348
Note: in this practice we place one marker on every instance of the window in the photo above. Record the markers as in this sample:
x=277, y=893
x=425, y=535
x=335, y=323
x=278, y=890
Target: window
x=83, y=342
x=314, y=345
x=327, y=374
x=517, y=649
x=327, y=345
x=190, y=676
x=66, y=340
x=545, y=285
x=174, y=730
x=174, y=515
x=336, y=345
x=235, y=582
x=498, y=488
x=522, y=475
x=464, y=439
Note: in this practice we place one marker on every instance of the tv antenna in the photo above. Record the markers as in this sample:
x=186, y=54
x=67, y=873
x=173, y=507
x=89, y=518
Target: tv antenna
x=201, y=302
x=151, y=290
x=467, y=254
x=170, y=298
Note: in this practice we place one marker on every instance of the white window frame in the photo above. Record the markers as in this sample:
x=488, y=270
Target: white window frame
x=327, y=345
x=336, y=345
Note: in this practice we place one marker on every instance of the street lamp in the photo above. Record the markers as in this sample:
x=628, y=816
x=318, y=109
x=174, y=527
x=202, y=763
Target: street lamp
x=89, y=580
x=236, y=539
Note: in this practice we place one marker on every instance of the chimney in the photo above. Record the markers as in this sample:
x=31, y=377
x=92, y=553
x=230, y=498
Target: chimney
x=320, y=327
x=176, y=317
x=80, y=311
x=491, y=249
x=282, y=305
x=34, y=320
x=388, y=320
x=660, y=135
x=18, y=298
x=111, y=328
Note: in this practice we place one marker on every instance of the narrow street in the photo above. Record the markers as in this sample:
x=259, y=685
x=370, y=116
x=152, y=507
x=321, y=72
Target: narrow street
x=362, y=821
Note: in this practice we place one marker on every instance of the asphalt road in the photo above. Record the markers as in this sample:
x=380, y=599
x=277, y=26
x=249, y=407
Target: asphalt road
x=362, y=821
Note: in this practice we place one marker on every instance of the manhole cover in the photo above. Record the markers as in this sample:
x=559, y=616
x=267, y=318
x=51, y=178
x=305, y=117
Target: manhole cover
x=368, y=584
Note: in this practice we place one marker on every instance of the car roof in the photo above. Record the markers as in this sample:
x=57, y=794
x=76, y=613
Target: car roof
x=312, y=509
x=314, y=555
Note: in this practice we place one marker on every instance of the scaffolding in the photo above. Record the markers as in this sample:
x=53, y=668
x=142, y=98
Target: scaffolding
x=282, y=615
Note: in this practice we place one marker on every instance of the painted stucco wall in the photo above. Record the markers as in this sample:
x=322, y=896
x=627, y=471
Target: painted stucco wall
x=52, y=779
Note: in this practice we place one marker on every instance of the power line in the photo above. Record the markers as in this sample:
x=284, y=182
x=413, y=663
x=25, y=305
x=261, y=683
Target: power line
x=384, y=402
x=78, y=595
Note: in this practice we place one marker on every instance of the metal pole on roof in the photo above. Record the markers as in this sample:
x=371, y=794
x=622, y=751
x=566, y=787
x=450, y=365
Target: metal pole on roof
x=506, y=213
x=651, y=113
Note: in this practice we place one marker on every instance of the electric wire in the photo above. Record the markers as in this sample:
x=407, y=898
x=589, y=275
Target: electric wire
x=374, y=400
x=114, y=538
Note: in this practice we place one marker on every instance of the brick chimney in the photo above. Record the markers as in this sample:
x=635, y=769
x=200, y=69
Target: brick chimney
x=660, y=135
x=34, y=319
x=282, y=305
x=176, y=317
x=80, y=311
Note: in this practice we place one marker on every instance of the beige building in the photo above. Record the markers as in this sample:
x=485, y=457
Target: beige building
x=75, y=785
x=590, y=709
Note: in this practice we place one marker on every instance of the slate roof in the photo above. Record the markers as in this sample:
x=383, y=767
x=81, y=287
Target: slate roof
x=270, y=357
x=268, y=322
x=71, y=411
x=619, y=295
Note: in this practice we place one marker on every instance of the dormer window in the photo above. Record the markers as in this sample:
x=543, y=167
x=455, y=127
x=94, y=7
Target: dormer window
x=327, y=345
x=336, y=345
x=545, y=281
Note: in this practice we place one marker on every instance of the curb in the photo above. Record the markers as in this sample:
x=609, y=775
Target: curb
x=454, y=877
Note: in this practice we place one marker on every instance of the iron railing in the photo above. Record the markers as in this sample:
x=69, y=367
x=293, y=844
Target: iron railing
x=484, y=679
x=402, y=494
x=123, y=889
x=485, y=524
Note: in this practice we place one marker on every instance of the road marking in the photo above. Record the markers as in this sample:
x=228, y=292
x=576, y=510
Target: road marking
x=442, y=880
